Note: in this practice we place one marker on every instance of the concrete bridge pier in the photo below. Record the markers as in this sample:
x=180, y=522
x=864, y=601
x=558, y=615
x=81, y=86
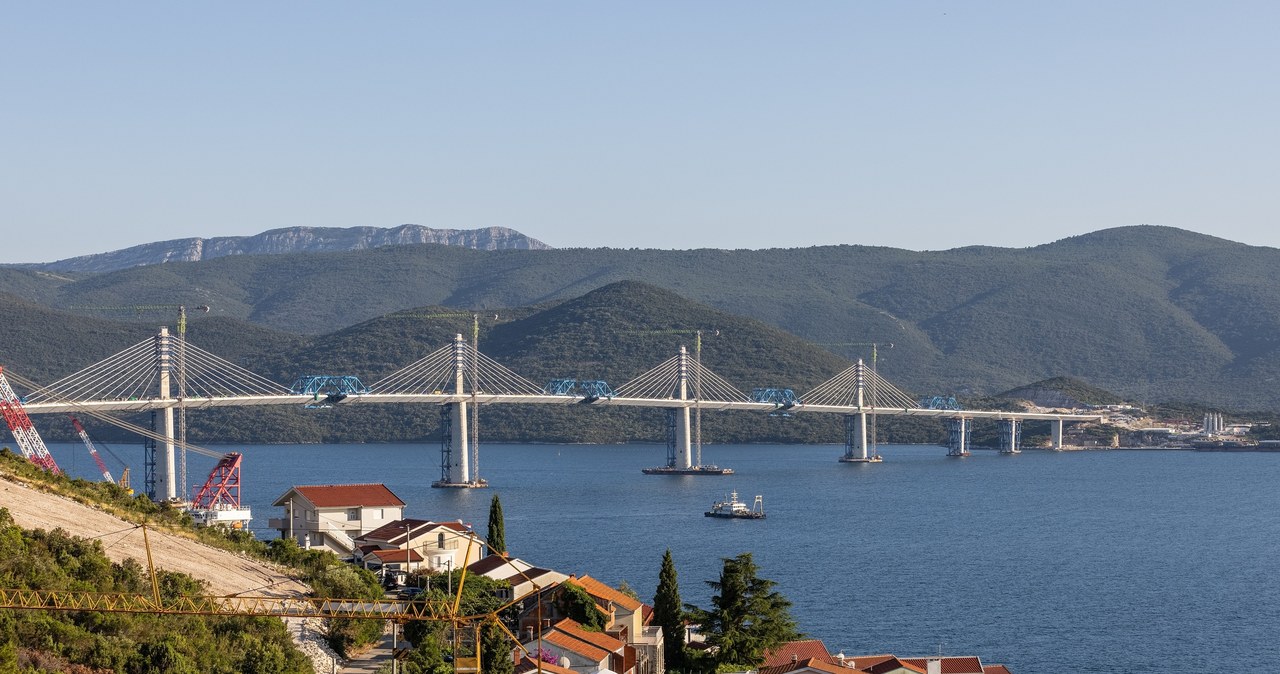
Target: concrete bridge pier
x=684, y=435
x=1010, y=436
x=455, y=447
x=1055, y=427
x=960, y=436
x=856, y=449
x=166, y=473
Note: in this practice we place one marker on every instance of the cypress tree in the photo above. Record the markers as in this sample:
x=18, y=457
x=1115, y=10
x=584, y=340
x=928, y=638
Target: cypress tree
x=669, y=614
x=497, y=528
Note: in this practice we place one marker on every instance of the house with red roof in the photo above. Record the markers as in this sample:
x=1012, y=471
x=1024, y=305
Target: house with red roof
x=418, y=545
x=523, y=579
x=581, y=650
x=626, y=619
x=330, y=517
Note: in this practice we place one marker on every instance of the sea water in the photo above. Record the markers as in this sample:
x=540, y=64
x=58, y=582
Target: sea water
x=1098, y=561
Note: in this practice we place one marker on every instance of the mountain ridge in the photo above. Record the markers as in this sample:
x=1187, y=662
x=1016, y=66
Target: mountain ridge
x=1147, y=312
x=292, y=240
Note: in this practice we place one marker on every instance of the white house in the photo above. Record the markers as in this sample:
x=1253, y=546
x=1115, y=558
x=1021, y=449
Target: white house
x=330, y=517
x=432, y=546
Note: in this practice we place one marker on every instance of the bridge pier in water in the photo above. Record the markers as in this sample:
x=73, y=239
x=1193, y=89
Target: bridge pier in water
x=855, y=440
x=855, y=425
x=1010, y=436
x=455, y=430
x=960, y=435
x=1055, y=427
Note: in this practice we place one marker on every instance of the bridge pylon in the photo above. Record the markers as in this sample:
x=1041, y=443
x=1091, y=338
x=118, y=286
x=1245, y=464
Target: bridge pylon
x=855, y=425
x=166, y=465
x=959, y=437
x=684, y=423
x=458, y=438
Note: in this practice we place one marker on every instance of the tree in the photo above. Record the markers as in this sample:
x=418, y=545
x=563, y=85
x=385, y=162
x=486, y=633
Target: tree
x=575, y=603
x=497, y=528
x=668, y=613
x=747, y=617
x=495, y=651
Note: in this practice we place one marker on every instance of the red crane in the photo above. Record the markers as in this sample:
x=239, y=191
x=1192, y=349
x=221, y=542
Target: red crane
x=23, y=432
x=93, y=451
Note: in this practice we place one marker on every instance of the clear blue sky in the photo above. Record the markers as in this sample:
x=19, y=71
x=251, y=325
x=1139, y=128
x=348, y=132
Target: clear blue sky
x=734, y=124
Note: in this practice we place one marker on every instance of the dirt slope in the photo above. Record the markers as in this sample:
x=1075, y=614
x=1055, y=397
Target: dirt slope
x=226, y=573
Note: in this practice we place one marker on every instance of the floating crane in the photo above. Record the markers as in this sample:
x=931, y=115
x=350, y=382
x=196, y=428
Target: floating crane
x=24, y=433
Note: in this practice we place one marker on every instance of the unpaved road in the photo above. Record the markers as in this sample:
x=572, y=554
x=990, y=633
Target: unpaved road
x=225, y=572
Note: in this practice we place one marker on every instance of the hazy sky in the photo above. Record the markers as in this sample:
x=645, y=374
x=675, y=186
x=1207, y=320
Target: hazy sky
x=735, y=124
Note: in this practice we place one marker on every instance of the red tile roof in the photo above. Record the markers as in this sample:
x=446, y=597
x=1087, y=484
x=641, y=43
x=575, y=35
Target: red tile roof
x=509, y=566
x=568, y=643
x=528, y=664
x=597, y=639
x=395, y=555
x=797, y=650
x=995, y=669
x=596, y=588
x=394, y=532
x=864, y=661
x=346, y=495
x=952, y=664
x=891, y=664
x=814, y=664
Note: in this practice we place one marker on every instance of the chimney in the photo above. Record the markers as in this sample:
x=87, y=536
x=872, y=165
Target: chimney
x=933, y=666
x=794, y=658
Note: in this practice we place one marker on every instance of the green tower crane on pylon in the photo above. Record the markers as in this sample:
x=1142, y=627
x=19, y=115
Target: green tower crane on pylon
x=180, y=354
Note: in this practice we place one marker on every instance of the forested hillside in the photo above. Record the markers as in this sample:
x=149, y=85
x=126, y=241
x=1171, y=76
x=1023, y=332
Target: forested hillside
x=1152, y=313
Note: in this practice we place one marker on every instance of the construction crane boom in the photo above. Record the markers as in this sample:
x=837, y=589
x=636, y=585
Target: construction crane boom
x=93, y=451
x=24, y=433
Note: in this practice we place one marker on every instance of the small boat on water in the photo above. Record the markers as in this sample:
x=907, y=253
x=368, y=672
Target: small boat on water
x=735, y=509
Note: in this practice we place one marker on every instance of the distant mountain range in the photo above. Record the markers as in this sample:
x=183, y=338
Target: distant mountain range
x=1150, y=313
x=293, y=240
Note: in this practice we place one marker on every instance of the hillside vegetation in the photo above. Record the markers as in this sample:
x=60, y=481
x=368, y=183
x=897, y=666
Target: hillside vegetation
x=1151, y=313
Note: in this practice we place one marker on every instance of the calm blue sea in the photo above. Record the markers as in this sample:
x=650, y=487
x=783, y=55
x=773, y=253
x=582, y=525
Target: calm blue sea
x=1096, y=561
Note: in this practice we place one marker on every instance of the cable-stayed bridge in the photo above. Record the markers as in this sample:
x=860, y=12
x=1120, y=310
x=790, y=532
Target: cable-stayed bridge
x=165, y=374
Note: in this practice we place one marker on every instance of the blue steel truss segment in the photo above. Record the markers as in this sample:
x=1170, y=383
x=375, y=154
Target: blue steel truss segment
x=561, y=387
x=595, y=388
x=324, y=384
x=939, y=403
x=776, y=396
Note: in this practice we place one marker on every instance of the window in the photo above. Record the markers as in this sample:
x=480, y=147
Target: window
x=353, y=514
x=440, y=540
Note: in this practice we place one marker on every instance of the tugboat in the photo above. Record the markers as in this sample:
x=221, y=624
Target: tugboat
x=735, y=509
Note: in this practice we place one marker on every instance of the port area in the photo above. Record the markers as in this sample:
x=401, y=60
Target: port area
x=692, y=470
